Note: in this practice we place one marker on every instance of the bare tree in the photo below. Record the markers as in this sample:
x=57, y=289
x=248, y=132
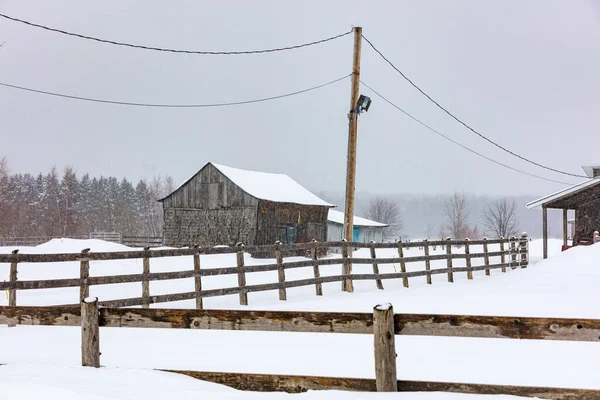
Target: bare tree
x=500, y=219
x=386, y=211
x=457, y=215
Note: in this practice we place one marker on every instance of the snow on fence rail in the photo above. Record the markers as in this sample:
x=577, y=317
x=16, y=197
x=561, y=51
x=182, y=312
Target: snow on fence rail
x=382, y=324
x=514, y=255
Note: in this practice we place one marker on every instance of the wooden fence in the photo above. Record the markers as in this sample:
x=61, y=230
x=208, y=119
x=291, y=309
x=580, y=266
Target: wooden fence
x=116, y=237
x=382, y=324
x=513, y=253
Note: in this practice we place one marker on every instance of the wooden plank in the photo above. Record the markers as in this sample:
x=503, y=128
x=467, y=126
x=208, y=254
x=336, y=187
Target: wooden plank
x=302, y=383
x=55, y=315
x=583, y=330
x=375, y=267
x=271, y=321
x=197, y=280
x=427, y=261
x=402, y=264
x=241, y=278
x=145, y=281
x=468, y=260
x=487, y=257
x=280, y=271
x=449, y=261
x=90, y=334
x=385, y=348
x=316, y=272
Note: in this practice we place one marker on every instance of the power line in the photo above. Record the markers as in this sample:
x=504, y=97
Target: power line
x=457, y=143
x=126, y=103
x=465, y=124
x=137, y=46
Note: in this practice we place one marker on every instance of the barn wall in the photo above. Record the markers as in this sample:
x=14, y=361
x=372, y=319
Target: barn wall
x=335, y=232
x=226, y=226
x=209, y=189
x=274, y=217
x=588, y=219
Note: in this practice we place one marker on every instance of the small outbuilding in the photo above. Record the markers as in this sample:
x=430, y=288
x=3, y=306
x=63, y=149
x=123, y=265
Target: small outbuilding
x=222, y=205
x=364, y=230
x=584, y=199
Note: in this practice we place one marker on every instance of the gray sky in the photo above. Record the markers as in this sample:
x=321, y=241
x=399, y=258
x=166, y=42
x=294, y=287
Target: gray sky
x=524, y=73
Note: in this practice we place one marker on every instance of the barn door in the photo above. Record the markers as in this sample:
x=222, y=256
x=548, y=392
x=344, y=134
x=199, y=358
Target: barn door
x=356, y=234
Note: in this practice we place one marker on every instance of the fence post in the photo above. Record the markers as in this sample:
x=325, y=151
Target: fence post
x=385, y=348
x=375, y=266
x=402, y=264
x=314, y=254
x=12, y=293
x=145, y=282
x=84, y=274
x=241, y=275
x=513, y=252
x=468, y=259
x=449, y=260
x=523, y=249
x=90, y=333
x=502, y=257
x=347, y=285
x=486, y=257
x=197, y=278
x=280, y=270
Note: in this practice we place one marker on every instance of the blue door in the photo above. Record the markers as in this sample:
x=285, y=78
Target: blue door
x=290, y=234
x=355, y=233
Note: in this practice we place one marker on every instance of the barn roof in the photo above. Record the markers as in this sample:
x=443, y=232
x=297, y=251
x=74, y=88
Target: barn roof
x=569, y=198
x=278, y=188
x=338, y=218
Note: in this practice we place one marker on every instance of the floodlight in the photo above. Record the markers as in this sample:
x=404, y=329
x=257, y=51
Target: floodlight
x=363, y=103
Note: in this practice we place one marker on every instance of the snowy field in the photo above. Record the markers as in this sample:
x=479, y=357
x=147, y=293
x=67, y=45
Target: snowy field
x=45, y=360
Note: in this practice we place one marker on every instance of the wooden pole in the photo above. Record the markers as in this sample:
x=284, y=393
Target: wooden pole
x=351, y=161
x=90, y=333
x=347, y=285
x=545, y=231
x=317, y=273
x=12, y=293
x=449, y=260
x=386, y=378
x=502, y=257
x=402, y=263
x=197, y=278
x=145, y=281
x=241, y=275
x=280, y=270
x=565, y=233
x=468, y=260
x=84, y=274
x=513, y=252
x=427, y=262
x=523, y=246
x=486, y=257
x=375, y=266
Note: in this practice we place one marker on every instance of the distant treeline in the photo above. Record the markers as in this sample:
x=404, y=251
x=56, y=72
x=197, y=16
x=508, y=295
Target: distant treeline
x=67, y=205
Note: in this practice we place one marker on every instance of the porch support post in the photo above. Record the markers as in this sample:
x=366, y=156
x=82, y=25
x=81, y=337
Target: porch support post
x=545, y=230
x=565, y=227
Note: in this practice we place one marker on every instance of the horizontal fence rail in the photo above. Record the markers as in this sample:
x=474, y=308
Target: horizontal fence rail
x=513, y=255
x=90, y=317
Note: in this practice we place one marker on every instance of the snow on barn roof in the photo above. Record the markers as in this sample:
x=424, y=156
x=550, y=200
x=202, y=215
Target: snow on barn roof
x=338, y=218
x=570, y=190
x=272, y=187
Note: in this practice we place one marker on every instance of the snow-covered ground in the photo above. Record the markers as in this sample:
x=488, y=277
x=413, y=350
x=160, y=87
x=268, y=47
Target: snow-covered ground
x=45, y=359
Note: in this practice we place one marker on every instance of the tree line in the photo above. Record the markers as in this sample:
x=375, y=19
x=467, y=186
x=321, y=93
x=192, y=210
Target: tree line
x=67, y=205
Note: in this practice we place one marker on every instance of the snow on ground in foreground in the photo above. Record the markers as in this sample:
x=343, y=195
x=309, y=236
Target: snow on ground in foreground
x=563, y=286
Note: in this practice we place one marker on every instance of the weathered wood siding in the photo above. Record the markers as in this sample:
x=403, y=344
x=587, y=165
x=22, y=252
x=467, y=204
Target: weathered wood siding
x=587, y=218
x=308, y=222
x=209, y=210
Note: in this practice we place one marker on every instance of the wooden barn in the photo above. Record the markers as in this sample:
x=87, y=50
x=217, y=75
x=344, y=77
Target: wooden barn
x=584, y=199
x=364, y=230
x=222, y=205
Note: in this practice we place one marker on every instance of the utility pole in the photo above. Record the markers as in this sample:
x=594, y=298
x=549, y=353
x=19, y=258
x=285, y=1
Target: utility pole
x=351, y=167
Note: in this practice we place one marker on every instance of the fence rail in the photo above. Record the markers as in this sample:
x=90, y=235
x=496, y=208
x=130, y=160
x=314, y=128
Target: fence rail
x=514, y=255
x=382, y=324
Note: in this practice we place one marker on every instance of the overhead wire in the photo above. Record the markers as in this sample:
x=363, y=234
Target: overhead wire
x=455, y=142
x=169, y=50
x=464, y=123
x=164, y=105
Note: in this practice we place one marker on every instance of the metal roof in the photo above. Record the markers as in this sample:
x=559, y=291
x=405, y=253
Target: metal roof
x=563, y=193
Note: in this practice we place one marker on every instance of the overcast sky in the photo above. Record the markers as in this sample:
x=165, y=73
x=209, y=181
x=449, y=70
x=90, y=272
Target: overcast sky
x=524, y=73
